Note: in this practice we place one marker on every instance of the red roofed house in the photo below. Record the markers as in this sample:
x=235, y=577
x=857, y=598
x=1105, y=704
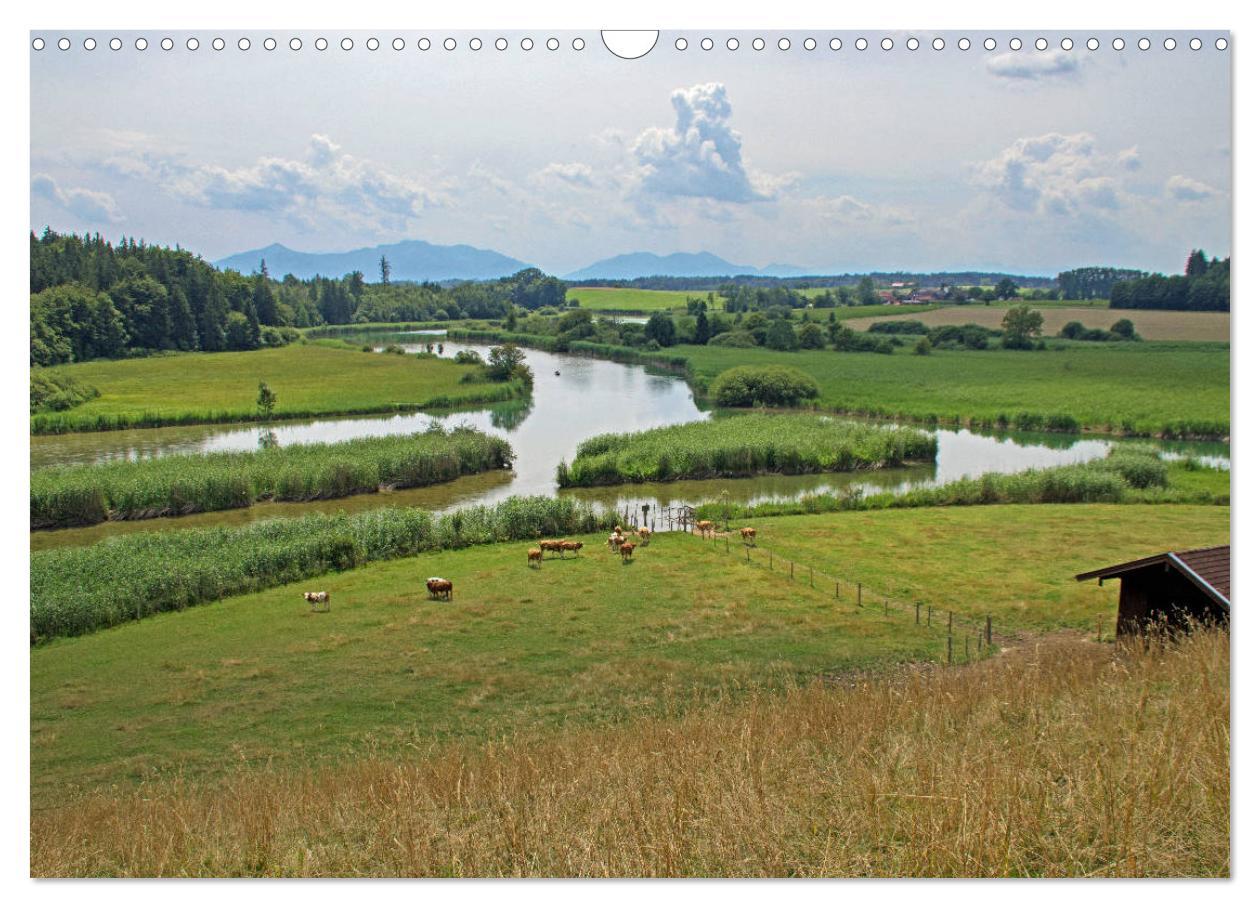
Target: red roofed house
x=1170, y=589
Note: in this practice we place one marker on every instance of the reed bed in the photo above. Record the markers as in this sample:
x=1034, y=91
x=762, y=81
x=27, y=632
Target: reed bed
x=76, y=590
x=1061, y=759
x=743, y=446
x=189, y=483
x=1124, y=475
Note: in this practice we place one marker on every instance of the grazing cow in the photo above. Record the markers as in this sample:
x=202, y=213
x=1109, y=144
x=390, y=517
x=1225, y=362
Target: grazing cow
x=552, y=545
x=750, y=535
x=567, y=546
x=615, y=541
x=627, y=551
x=318, y=599
x=705, y=527
x=645, y=535
x=440, y=588
x=534, y=555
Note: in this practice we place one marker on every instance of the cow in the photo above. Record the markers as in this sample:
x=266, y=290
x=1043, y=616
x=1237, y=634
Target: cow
x=317, y=599
x=645, y=535
x=750, y=535
x=534, y=555
x=705, y=527
x=627, y=551
x=615, y=541
x=570, y=546
x=552, y=545
x=440, y=588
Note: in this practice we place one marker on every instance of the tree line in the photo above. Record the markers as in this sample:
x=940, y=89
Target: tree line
x=93, y=299
x=1204, y=287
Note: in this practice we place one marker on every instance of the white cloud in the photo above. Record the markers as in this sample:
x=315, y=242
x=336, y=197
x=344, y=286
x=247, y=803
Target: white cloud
x=700, y=156
x=1056, y=174
x=1185, y=189
x=1029, y=67
x=575, y=174
x=845, y=209
x=87, y=204
x=326, y=185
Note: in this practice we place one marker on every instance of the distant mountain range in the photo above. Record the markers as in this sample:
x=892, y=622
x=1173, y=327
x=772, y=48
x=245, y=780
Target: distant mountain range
x=410, y=260
x=677, y=264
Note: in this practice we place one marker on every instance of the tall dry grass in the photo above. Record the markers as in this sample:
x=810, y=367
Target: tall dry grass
x=1059, y=759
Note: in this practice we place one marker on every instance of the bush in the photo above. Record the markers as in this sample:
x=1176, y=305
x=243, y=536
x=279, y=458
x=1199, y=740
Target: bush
x=54, y=393
x=733, y=339
x=922, y=347
x=969, y=336
x=762, y=386
x=898, y=327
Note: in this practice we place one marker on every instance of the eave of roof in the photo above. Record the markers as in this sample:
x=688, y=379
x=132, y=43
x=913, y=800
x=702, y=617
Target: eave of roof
x=1168, y=558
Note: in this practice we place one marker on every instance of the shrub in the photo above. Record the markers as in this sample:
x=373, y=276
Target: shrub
x=762, y=386
x=51, y=393
x=733, y=339
x=923, y=347
x=898, y=327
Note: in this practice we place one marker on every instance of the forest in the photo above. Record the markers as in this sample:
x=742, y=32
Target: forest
x=92, y=299
x=1204, y=287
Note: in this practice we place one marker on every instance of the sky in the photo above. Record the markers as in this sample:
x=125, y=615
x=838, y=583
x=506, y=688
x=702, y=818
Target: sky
x=1029, y=161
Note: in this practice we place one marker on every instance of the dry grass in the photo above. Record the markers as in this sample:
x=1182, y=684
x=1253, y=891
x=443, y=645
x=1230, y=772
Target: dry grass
x=1057, y=759
x=1152, y=324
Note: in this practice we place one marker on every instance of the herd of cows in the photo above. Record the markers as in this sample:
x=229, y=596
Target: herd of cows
x=618, y=543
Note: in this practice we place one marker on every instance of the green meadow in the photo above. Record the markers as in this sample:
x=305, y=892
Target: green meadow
x=630, y=299
x=1171, y=389
x=259, y=678
x=323, y=378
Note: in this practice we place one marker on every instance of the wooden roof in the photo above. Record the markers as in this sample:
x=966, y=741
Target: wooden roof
x=1207, y=569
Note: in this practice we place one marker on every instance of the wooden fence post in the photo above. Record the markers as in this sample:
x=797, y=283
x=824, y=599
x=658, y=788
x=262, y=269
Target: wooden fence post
x=988, y=629
x=929, y=624
x=792, y=569
x=772, y=560
x=747, y=554
x=859, y=595
x=967, y=647
x=949, y=649
x=811, y=576
x=885, y=608
x=951, y=622
x=916, y=612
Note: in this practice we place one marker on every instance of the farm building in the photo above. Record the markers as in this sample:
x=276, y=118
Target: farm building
x=1172, y=588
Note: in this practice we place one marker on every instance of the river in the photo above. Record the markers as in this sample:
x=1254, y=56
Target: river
x=574, y=398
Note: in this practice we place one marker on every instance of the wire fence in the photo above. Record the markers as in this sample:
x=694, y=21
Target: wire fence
x=964, y=638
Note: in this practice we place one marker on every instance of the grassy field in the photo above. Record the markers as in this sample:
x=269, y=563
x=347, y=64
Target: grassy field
x=583, y=639
x=1151, y=324
x=743, y=446
x=1050, y=761
x=630, y=299
x=260, y=677
x=1147, y=389
x=318, y=379
x=187, y=483
x=1014, y=562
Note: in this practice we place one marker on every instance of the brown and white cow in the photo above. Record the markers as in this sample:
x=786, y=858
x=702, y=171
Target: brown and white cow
x=627, y=551
x=322, y=598
x=705, y=527
x=645, y=535
x=749, y=535
x=567, y=545
x=532, y=556
x=440, y=588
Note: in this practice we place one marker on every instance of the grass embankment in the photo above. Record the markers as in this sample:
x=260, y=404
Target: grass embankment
x=189, y=483
x=322, y=378
x=1173, y=390
x=743, y=446
x=581, y=639
x=1053, y=761
x=1151, y=324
